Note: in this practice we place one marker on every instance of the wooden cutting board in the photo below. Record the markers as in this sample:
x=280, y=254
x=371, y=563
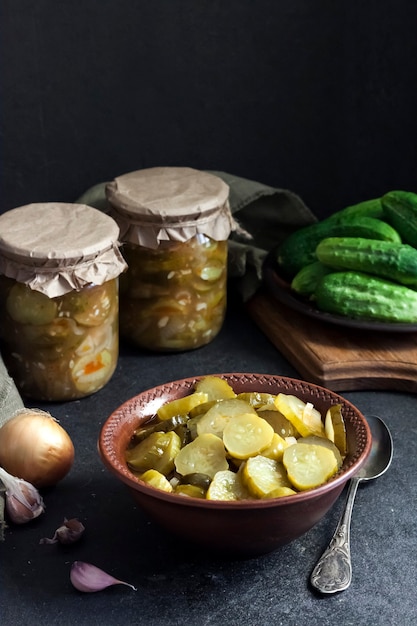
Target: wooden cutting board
x=340, y=359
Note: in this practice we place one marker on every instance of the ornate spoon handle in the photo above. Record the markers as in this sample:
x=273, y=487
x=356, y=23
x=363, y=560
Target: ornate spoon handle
x=333, y=571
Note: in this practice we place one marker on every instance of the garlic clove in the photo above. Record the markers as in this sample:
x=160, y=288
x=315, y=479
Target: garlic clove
x=70, y=532
x=23, y=500
x=89, y=578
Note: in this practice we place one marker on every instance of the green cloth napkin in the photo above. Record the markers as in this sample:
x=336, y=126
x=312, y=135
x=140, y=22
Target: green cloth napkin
x=266, y=215
x=10, y=400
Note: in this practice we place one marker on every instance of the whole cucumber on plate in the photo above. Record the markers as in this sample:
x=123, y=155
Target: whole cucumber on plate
x=361, y=296
x=367, y=208
x=305, y=281
x=299, y=249
x=395, y=261
x=400, y=209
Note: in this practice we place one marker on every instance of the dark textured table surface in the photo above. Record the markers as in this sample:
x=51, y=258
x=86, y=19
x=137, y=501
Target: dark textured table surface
x=177, y=585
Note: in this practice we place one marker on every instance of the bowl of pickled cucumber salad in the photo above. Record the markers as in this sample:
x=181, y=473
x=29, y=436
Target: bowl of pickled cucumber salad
x=239, y=463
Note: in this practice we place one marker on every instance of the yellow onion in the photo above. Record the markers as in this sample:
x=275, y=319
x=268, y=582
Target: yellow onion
x=35, y=447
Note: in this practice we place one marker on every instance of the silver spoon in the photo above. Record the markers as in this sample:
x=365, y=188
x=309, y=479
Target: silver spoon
x=333, y=571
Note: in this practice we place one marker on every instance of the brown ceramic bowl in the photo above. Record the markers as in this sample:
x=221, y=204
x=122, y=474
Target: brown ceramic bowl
x=245, y=528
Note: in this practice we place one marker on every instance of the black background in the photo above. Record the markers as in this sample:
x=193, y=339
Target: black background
x=316, y=96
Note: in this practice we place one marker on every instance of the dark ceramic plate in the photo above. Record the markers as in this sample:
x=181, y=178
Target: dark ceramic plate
x=281, y=291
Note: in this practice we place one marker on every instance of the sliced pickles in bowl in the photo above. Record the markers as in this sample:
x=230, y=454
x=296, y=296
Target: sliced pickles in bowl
x=244, y=482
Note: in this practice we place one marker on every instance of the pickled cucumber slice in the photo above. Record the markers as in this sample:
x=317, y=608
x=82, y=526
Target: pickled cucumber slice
x=61, y=334
x=219, y=415
x=309, y=465
x=158, y=451
x=171, y=424
x=91, y=306
x=262, y=476
x=227, y=485
x=205, y=455
x=28, y=306
x=335, y=429
x=257, y=399
x=155, y=479
x=281, y=492
x=323, y=441
x=192, y=427
x=278, y=421
x=202, y=408
x=191, y=491
x=200, y=480
x=276, y=448
x=181, y=406
x=215, y=387
x=302, y=415
x=212, y=272
x=247, y=435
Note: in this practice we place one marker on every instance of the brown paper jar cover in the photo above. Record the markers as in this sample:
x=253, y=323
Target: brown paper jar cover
x=170, y=204
x=174, y=226
x=57, y=247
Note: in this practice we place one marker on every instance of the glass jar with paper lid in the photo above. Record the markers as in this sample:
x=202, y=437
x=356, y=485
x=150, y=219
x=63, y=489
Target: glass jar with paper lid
x=174, y=226
x=59, y=271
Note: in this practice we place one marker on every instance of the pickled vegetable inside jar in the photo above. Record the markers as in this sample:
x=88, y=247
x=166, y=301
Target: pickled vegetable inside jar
x=59, y=306
x=174, y=225
x=174, y=298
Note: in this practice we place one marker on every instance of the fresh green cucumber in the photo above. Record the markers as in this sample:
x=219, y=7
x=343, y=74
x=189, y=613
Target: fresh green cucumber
x=395, y=261
x=400, y=208
x=360, y=296
x=367, y=208
x=305, y=281
x=299, y=249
